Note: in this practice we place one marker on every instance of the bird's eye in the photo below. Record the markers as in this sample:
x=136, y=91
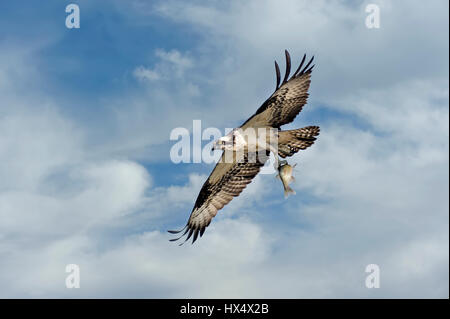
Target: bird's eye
x=223, y=142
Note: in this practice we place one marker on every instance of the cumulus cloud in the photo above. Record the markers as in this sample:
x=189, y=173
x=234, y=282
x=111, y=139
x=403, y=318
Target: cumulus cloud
x=174, y=57
x=47, y=177
x=172, y=64
x=143, y=73
x=373, y=189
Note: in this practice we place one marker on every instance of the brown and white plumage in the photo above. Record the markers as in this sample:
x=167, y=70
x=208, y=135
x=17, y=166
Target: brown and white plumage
x=287, y=100
x=290, y=142
x=227, y=180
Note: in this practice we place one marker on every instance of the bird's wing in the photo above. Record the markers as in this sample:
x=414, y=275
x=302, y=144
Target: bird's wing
x=226, y=181
x=287, y=100
x=290, y=142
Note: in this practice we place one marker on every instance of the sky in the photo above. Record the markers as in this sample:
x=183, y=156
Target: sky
x=86, y=176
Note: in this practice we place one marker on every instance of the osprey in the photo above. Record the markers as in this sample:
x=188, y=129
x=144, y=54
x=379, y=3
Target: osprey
x=232, y=173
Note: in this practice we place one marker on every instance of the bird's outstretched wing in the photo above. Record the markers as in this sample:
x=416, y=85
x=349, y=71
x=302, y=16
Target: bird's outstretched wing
x=287, y=100
x=226, y=181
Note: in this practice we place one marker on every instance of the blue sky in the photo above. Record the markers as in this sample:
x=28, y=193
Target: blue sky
x=85, y=120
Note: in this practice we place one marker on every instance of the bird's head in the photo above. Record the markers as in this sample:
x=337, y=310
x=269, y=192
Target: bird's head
x=224, y=143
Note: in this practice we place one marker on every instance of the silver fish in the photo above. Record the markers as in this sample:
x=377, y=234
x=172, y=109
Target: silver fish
x=285, y=175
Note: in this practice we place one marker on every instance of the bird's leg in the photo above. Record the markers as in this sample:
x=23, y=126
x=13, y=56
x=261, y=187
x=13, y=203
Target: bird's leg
x=267, y=145
x=276, y=165
x=273, y=146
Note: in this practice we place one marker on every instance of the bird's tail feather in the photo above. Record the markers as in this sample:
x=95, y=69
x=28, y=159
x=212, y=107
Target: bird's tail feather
x=291, y=141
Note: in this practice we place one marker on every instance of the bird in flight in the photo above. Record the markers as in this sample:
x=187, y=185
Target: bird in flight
x=245, y=153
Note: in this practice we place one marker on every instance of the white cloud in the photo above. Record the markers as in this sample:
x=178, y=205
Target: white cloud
x=175, y=57
x=172, y=64
x=374, y=192
x=142, y=73
x=51, y=186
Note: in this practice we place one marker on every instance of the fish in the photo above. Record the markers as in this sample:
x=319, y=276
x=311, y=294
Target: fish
x=285, y=175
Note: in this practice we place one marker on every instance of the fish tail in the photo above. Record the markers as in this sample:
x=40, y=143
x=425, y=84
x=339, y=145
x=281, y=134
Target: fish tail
x=287, y=191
